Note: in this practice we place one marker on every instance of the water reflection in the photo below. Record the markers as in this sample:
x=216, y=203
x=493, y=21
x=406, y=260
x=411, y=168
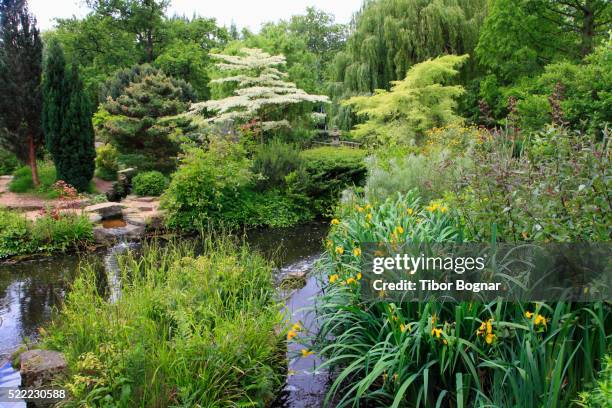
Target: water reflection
x=28, y=293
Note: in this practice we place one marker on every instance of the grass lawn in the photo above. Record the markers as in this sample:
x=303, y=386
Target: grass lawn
x=22, y=181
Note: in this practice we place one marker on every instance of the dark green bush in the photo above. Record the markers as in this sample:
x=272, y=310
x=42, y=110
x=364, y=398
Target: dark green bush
x=274, y=161
x=205, y=183
x=324, y=173
x=149, y=183
x=272, y=208
x=143, y=122
x=8, y=162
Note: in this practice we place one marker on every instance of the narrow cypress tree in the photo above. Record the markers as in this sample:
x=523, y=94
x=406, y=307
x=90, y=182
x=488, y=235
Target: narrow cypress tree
x=76, y=150
x=54, y=98
x=67, y=120
x=20, y=76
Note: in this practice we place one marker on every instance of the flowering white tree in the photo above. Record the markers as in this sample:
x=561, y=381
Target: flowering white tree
x=262, y=90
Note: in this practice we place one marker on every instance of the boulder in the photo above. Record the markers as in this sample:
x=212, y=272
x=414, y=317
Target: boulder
x=40, y=367
x=134, y=232
x=294, y=280
x=106, y=210
x=110, y=236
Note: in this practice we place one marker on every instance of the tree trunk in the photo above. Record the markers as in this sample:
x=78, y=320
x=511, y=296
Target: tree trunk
x=588, y=30
x=32, y=160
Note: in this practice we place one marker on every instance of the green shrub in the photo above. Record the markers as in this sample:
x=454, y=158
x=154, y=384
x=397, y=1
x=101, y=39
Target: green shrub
x=149, y=183
x=556, y=189
x=403, y=354
x=430, y=174
x=22, y=180
x=274, y=161
x=272, y=208
x=107, y=163
x=205, y=183
x=186, y=331
x=19, y=236
x=601, y=395
x=325, y=173
x=8, y=162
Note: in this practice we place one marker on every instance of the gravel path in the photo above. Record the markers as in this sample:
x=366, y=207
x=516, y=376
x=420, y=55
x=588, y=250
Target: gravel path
x=30, y=202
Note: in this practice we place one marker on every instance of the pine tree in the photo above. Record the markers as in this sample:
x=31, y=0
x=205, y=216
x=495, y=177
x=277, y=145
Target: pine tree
x=144, y=120
x=20, y=77
x=262, y=90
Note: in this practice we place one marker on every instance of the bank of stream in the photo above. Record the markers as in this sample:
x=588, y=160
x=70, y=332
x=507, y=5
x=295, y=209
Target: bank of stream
x=31, y=290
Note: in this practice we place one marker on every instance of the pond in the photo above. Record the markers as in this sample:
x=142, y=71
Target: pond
x=31, y=290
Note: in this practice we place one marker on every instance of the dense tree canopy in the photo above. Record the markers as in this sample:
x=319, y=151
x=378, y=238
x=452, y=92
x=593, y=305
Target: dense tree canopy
x=117, y=35
x=142, y=18
x=520, y=37
x=389, y=36
x=20, y=77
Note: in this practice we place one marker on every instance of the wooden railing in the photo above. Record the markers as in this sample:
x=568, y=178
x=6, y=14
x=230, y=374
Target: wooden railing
x=339, y=143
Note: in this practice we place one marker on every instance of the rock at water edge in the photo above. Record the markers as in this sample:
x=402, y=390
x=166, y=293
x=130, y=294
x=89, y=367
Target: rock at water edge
x=40, y=367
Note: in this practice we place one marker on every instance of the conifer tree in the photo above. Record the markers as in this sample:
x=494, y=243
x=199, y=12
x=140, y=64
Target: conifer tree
x=144, y=121
x=77, y=162
x=262, y=90
x=20, y=76
x=419, y=102
x=67, y=121
x=54, y=97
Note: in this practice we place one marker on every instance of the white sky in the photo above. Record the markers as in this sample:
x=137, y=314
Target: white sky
x=245, y=13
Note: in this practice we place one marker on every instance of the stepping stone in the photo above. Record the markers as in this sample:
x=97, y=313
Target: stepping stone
x=106, y=210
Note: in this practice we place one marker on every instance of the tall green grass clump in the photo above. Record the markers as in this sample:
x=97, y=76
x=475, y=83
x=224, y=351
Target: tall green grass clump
x=436, y=354
x=20, y=236
x=186, y=331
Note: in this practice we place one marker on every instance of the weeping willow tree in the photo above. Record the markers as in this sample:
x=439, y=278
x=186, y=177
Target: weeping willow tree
x=419, y=102
x=262, y=91
x=390, y=36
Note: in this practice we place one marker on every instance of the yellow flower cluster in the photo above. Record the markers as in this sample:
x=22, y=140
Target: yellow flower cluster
x=486, y=330
x=351, y=280
x=436, y=206
x=538, y=319
x=294, y=331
